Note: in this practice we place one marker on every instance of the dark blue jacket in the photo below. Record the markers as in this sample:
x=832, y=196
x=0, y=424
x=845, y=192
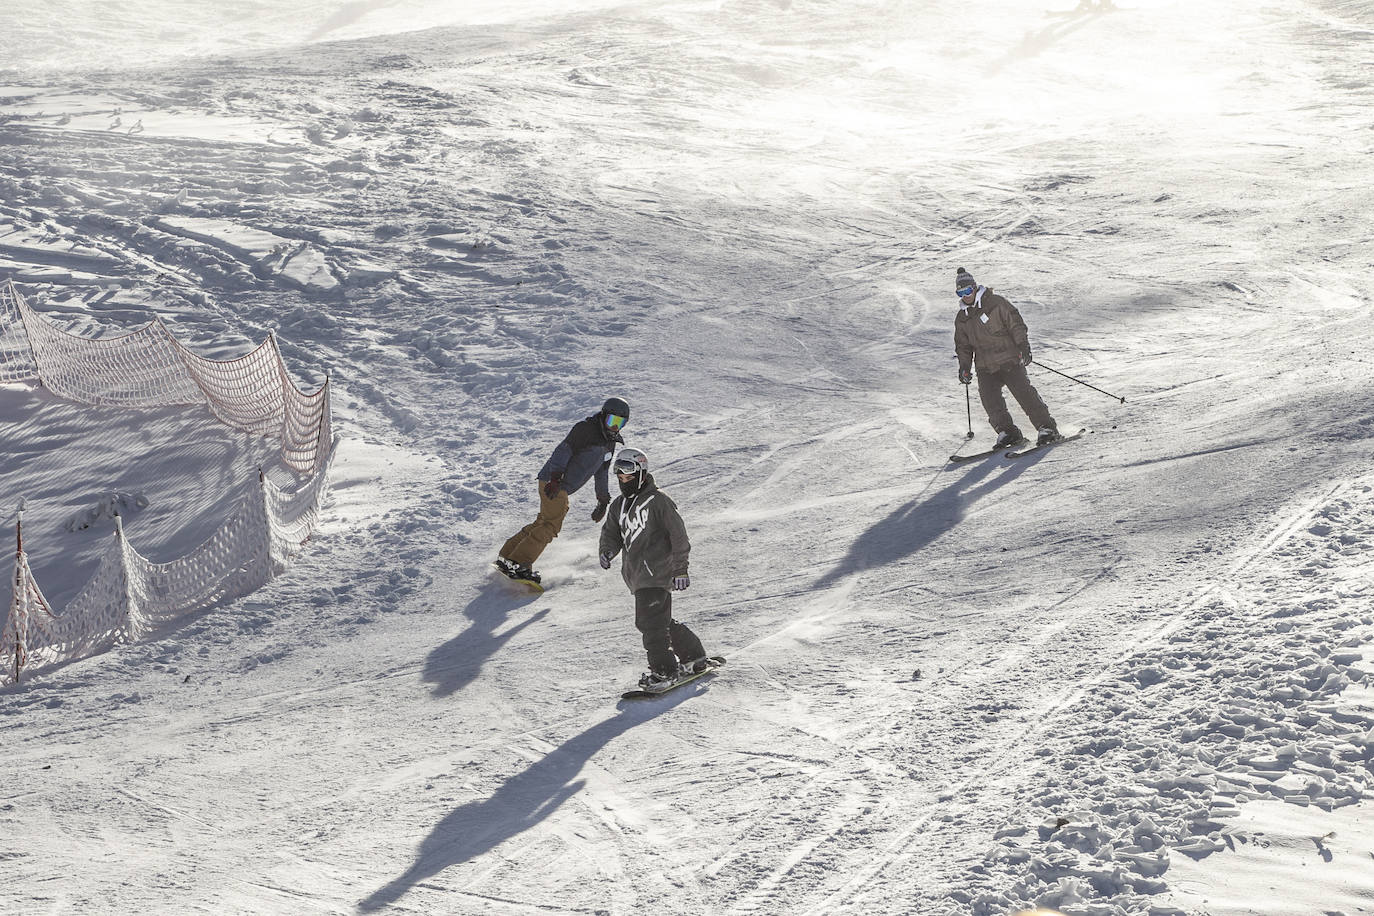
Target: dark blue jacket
x=586, y=450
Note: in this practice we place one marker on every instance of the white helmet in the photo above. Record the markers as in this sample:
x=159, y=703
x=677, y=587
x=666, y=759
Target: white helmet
x=631, y=461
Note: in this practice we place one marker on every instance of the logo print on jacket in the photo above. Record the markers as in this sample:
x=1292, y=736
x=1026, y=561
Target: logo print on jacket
x=633, y=520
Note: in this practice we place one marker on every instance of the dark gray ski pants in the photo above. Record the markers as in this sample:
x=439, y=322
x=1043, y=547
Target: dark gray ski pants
x=1015, y=380
x=666, y=640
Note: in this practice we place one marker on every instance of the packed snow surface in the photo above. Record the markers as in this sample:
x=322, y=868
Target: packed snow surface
x=1127, y=675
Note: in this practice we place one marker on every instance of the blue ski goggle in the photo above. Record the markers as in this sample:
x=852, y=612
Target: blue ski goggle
x=966, y=291
x=615, y=421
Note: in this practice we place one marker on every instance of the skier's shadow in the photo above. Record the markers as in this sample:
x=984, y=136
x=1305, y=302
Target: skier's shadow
x=456, y=663
x=915, y=524
x=348, y=14
x=1036, y=43
x=524, y=800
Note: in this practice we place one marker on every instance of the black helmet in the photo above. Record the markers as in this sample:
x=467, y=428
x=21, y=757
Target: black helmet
x=615, y=413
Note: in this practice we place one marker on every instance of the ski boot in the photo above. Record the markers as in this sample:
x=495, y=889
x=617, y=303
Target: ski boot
x=1008, y=438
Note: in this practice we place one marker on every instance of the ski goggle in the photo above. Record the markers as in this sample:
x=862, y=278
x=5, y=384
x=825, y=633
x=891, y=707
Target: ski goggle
x=626, y=466
x=965, y=291
x=615, y=421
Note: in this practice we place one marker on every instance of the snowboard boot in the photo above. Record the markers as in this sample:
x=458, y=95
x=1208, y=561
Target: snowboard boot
x=514, y=570
x=697, y=665
x=1009, y=437
x=655, y=680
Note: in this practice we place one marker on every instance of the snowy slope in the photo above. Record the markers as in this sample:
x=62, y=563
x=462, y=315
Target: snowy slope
x=1125, y=676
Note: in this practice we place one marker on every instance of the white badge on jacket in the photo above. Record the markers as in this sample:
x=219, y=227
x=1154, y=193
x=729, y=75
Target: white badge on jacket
x=983, y=318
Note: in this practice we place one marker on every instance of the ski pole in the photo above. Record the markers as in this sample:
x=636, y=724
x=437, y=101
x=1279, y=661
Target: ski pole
x=1081, y=382
x=968, y=406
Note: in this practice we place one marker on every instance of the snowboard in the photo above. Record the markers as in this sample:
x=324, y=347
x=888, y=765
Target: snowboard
x=714, y=662
x=528, y=583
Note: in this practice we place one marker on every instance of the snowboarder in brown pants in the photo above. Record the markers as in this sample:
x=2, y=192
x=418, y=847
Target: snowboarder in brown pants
x=584, y=454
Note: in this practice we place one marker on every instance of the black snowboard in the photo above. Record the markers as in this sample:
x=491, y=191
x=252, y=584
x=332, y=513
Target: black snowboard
x=639, y=693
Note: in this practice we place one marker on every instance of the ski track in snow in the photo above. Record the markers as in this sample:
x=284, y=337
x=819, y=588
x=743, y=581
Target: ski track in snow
x=952, y=691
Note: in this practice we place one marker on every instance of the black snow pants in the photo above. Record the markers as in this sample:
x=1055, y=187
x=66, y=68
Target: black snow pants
x=666, y=640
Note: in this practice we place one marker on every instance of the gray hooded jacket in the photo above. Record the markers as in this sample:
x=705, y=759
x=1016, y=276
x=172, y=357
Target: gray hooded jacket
x=647, y=529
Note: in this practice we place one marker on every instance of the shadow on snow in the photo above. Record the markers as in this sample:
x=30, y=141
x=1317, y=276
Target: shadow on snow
x=524, y=800
x=1038, y=42
x=918, y=522
x=456, y=663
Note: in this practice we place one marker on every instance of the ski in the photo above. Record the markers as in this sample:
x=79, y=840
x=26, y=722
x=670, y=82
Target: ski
x=1033, y=447
x=713, y=664
x=959, y=459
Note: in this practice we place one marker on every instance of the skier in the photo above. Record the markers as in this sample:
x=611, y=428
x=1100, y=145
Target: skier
x=645, y=525
x=989, y=329
x=584, y=453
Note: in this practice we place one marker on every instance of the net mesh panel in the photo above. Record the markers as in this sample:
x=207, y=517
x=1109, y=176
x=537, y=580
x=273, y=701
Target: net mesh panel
x=130, y=598
x=230, y=563
x=148, y=367
x=139, y=369
x=16, y=356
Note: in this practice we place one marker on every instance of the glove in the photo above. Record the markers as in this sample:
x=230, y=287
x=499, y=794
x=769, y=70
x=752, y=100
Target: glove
x=680, y=583
x=606, y=561
x=1026, y=356
x=555, y=483
x=966, y=376
x=600, y=511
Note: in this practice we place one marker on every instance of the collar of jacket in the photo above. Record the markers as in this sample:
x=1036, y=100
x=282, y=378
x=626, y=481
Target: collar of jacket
x=977, y=301
x=646, y=489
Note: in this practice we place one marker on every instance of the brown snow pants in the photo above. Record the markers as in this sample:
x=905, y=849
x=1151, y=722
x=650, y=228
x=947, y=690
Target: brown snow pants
x=1015, y=380
x=525, y=546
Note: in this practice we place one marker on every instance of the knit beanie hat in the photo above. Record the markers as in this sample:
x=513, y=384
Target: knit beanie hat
x=963, y=279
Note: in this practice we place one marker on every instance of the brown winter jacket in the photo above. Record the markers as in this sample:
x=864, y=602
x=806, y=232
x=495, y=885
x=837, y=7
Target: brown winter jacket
x=992, y=330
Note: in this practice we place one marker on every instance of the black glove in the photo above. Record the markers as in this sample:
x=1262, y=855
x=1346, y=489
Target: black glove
x=966, y=376
x=1026, y=356
x=605, y=560
x=555, y=483
x=600, y=511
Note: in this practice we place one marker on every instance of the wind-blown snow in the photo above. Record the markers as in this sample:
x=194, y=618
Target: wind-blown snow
x=1130, y=675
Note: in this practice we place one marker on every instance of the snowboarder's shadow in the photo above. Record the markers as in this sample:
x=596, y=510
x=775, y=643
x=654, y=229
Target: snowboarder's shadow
x=524, y=800
x=917, y=523
x=456, y=663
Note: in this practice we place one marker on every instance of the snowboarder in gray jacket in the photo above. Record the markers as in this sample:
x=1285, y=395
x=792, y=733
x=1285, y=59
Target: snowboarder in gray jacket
x=644, y=529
